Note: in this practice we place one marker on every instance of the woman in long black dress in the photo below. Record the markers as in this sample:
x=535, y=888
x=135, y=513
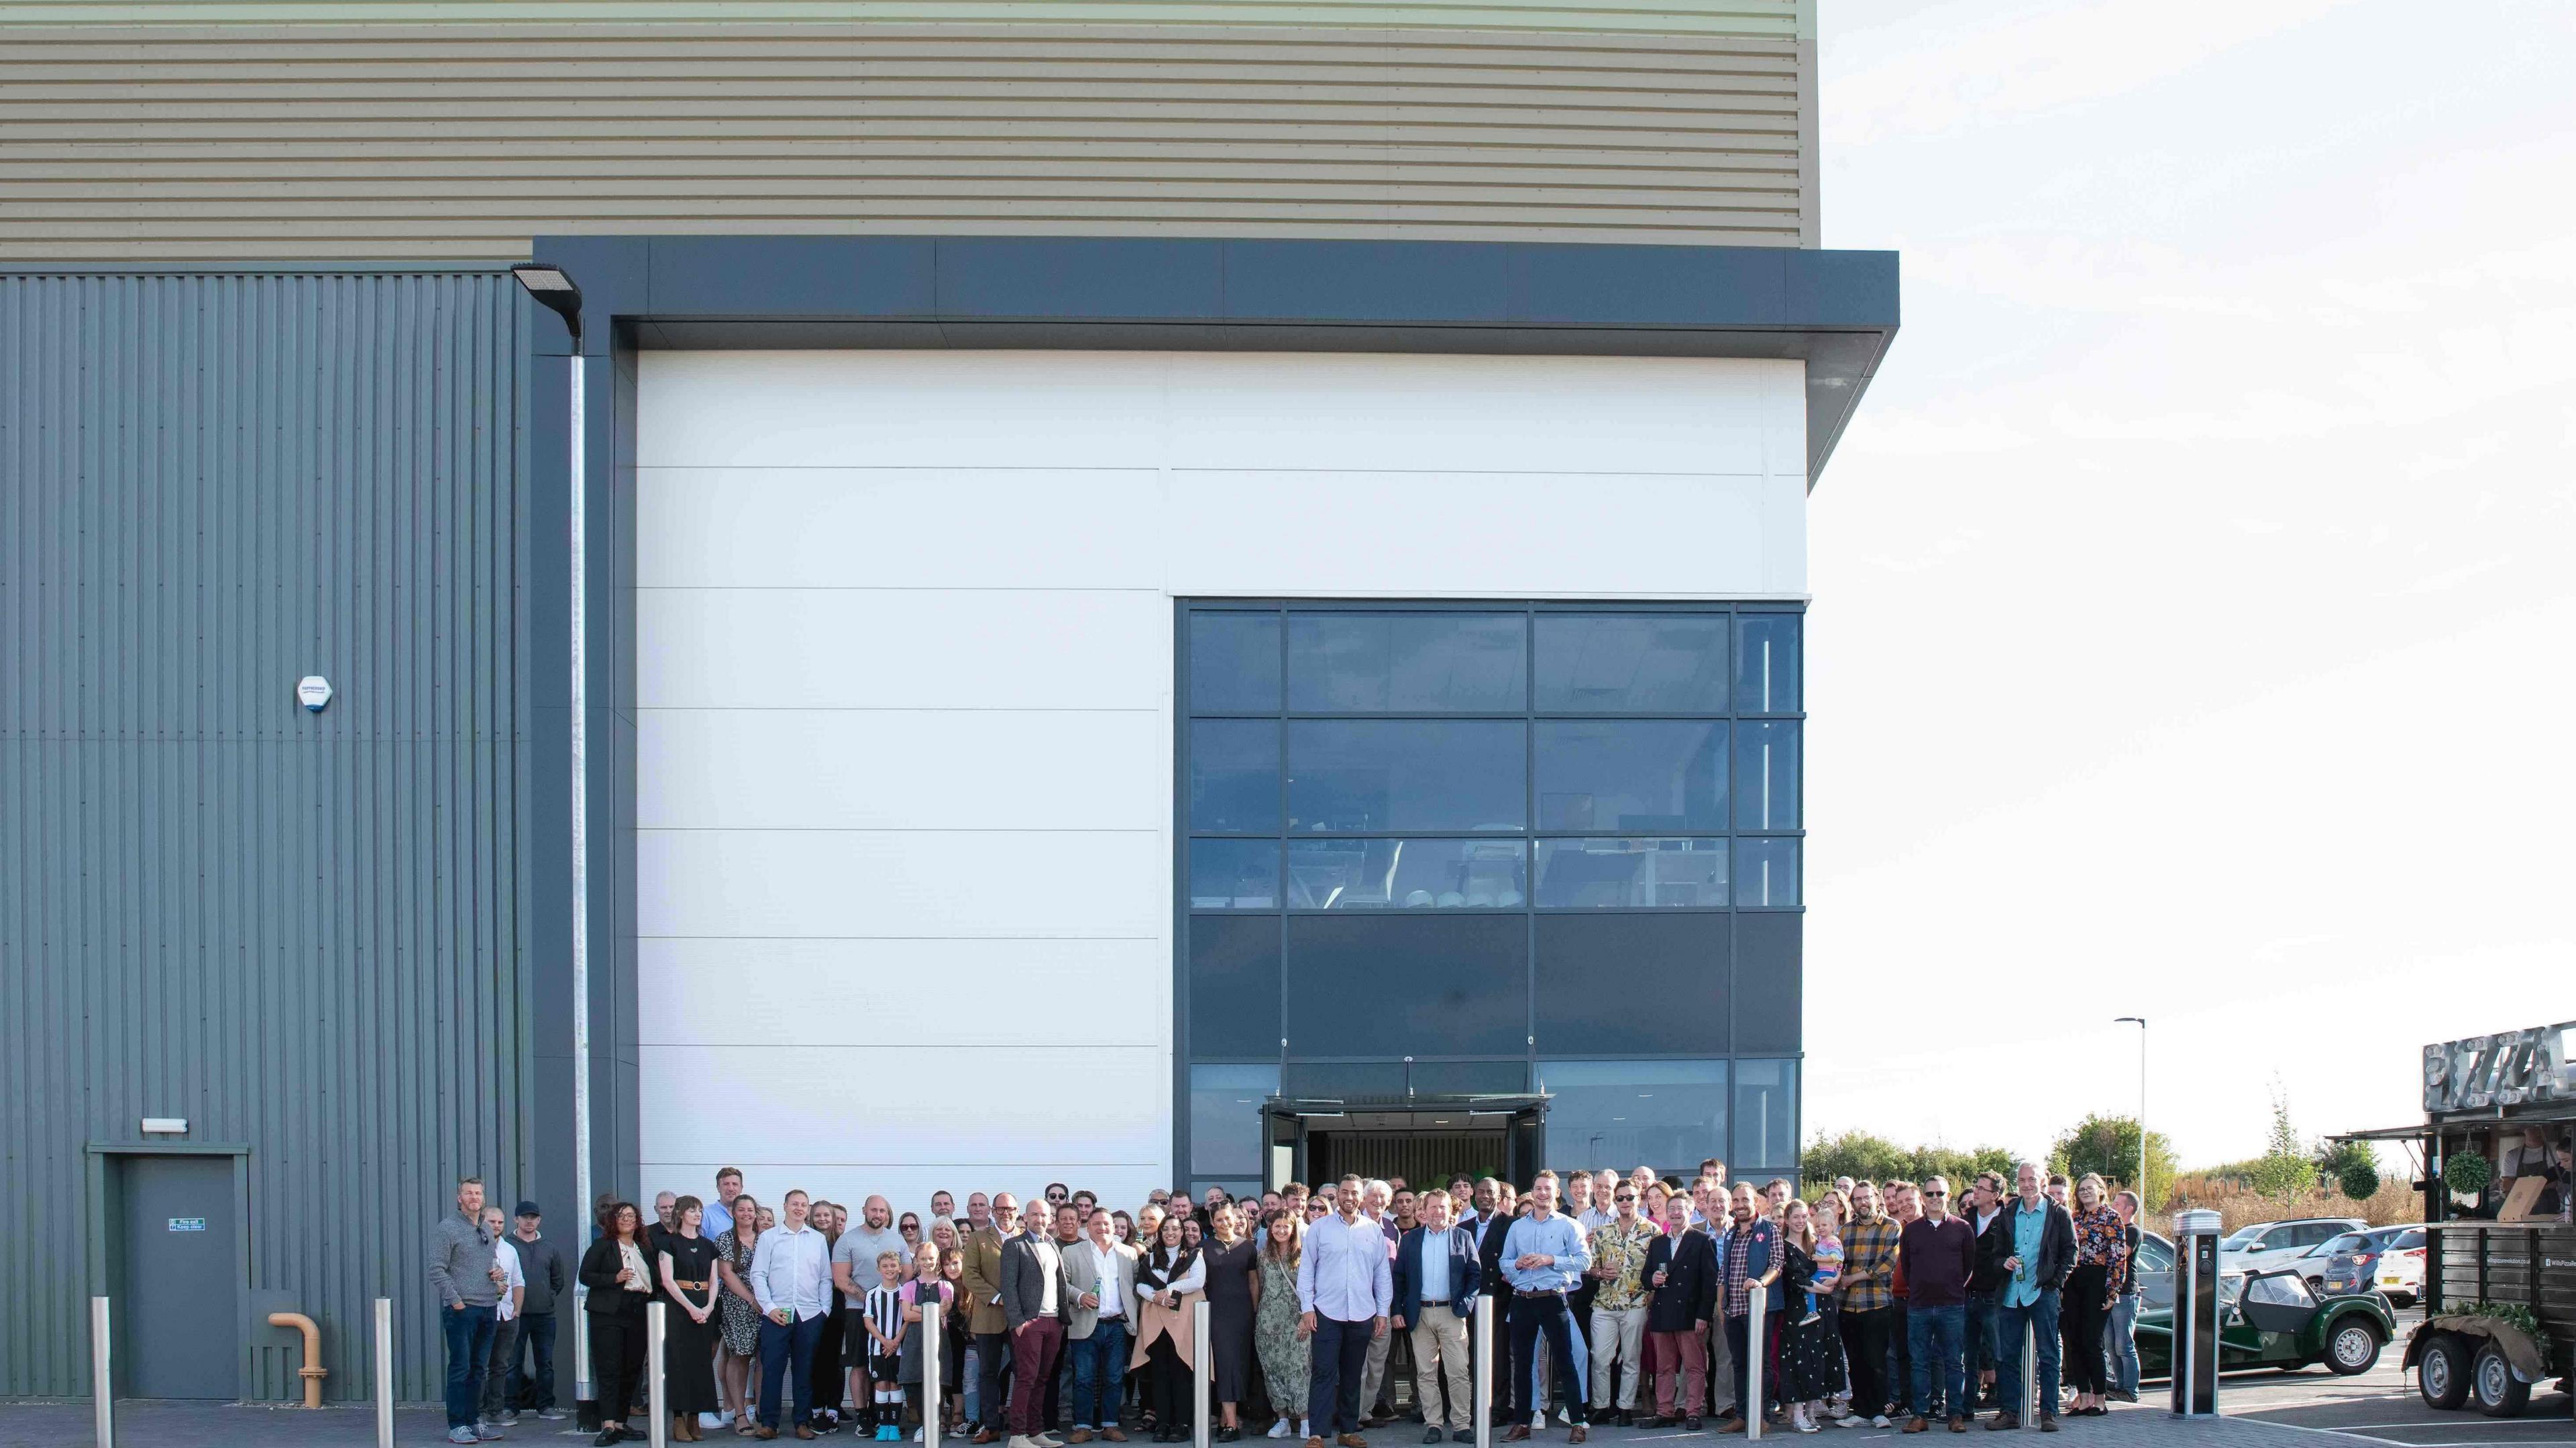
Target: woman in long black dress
x=688, y=1270
x=1811, y=1350
x=1232, y=1295
x=619, y=1281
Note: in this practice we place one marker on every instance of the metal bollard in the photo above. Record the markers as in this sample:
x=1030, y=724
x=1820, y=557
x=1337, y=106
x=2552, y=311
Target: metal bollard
x=2030, y=1377
x=102, y=1381
x=657, y=1324
x=1200, y=1367
x=1481, y=1325
x=933, y=1408
x=384, y=1372
x=1754, y=1343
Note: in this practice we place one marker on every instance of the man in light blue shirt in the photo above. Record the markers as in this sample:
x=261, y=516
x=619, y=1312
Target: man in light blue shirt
x=791, y=1278
x=1544, y=1259
x=1344, y=1287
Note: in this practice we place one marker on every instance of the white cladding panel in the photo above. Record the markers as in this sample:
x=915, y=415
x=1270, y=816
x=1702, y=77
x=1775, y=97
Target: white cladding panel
x=905, y=683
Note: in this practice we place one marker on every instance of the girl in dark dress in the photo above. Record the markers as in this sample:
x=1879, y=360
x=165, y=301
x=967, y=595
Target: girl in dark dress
x=928, y=1293
x=1811, y=1349
x=1232, y=1294
x=688, y=1272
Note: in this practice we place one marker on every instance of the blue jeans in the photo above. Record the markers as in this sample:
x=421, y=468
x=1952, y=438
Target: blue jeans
x=2037, y=1318
x=785, y=1350
x=1339, y=1353
x=469, y=1344
x=1099, y=1374
x=2123, y=1338
x=969, y=1373
x=1935, y=1337
x=534, y=1391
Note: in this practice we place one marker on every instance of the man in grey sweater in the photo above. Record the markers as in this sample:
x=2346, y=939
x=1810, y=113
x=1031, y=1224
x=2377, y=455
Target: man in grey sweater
x=465, y=1276
x=532, y=1370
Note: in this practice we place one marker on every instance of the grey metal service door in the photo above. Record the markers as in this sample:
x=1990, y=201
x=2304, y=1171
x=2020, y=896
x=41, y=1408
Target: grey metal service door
x=180, y=1314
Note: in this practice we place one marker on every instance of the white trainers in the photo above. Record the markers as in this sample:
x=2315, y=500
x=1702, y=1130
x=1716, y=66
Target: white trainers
x=1279, y=1429
x=1879, y=1420
x=1851, y=1420
x=1023, y=1440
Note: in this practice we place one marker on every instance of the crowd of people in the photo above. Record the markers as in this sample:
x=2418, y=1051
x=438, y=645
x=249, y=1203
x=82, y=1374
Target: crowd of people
x=1627, y=1299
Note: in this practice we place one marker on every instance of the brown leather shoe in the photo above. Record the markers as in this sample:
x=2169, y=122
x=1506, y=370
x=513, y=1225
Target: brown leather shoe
x=1114, y=1433
x=1579, y=1433
x=987, y=1435
x=1917, y=1425
x=1314, y=1443
x=1958, y=1424
x=1519, y=1433
x=805, y=1430
x=1352, y=1440
x=766, y=1433
x=1078, y=1435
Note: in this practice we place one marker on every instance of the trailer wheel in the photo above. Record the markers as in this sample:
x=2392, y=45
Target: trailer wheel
x=2442, y=1372
x=2498, y=1392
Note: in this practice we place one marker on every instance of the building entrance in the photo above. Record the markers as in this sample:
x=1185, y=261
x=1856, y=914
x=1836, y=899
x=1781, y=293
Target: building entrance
x=1421, y=1141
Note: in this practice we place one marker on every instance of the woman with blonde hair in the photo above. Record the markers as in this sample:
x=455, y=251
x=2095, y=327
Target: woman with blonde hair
x=2101, y=1241
x=1811, y=1349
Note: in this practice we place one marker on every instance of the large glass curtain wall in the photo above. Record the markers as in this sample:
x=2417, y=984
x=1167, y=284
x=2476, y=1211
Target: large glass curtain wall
x=1527, y=846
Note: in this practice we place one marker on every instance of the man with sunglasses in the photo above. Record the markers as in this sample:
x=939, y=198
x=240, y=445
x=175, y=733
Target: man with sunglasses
x=1618, y=1317
x=1939, y=1254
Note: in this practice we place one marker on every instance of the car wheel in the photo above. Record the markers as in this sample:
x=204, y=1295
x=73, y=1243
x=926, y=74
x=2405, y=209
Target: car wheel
x=2442, y=1373
x=2352, y=1348
x=2498, y=1392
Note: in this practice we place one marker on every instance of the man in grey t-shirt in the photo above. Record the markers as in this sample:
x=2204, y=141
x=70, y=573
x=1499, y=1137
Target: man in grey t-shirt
x=466, y=1279
x=854, y=1271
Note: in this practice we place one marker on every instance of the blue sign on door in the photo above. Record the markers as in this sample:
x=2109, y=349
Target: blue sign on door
x=187, y=1224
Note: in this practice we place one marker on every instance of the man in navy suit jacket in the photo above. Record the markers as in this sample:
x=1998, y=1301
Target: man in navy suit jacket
x=1436, y=1277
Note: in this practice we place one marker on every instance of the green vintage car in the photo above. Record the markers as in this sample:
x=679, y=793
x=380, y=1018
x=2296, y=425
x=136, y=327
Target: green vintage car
x=2276, y=1320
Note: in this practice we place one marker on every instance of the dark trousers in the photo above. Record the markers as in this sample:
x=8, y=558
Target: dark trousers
x=1900, y=1357
x=1865, y=1348
x=786, y=1354
x=1981, y=1337
x=1739, y=1345
x=824, y=1381
x=496, y=1368
x=617, y=1356
x=1547, y=1314
x=1169, y=1390
x=1034, y=1345
x=989, y=1347
x=2086, y=1308
x=1340, y=1361
x=533, y=1391
x=469, y=1351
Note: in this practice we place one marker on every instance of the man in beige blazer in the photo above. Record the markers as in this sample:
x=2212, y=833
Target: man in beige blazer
x=1103, y=1272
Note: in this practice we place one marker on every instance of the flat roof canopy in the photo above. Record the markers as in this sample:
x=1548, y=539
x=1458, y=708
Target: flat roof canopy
x=1834, y=310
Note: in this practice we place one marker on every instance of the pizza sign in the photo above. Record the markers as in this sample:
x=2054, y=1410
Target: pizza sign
x=2508, y=1068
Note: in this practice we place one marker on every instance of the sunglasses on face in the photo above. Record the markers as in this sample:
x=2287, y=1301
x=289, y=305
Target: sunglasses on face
x=1936, y=1196
x=1625, y=1197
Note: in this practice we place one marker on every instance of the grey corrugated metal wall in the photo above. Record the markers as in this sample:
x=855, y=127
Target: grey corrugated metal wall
x=414, y=142
x=305, y=933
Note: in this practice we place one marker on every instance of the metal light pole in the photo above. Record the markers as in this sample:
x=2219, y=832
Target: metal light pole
x=2144, y=1206
x=553, y=289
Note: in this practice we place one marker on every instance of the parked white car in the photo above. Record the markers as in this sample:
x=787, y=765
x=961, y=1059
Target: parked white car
x=2266, y=1246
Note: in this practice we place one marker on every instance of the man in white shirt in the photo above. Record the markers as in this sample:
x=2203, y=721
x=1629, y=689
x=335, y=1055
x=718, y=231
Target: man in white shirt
x=496, y=1412
x=1377, y=1198
x=1102, y=1270
x=1344, y=1287
x=791, y=1279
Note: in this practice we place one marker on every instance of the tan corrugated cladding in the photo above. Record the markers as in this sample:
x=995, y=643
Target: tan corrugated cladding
x=461, y=142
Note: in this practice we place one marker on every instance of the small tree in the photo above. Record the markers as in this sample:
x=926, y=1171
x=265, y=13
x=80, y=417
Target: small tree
x=2349, y=1165
x=2284, y=1171
x=2109, y=1145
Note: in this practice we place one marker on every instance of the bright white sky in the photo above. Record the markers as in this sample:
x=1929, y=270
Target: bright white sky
x=2195, y=620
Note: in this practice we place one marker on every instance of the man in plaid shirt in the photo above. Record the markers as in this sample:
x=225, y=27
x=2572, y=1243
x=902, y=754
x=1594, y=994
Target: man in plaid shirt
x=1869, y=1313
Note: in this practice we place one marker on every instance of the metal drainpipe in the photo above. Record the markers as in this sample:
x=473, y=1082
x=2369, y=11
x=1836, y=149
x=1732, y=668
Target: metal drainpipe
x=312, y=1372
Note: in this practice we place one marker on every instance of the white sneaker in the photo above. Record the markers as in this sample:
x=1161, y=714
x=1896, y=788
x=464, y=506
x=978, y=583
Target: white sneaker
x=1802, y=1424
x=1279, y=1429
x=1851, y=1420
x=1022, y=1440
x=1305, y=1427
x=916, y=1435
x=1562, y=1416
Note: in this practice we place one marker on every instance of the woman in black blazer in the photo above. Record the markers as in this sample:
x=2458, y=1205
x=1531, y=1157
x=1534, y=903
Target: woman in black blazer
x=1680, y=1274
x=620, y=1282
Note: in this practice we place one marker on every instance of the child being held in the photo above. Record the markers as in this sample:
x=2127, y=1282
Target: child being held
x=1829, y=1262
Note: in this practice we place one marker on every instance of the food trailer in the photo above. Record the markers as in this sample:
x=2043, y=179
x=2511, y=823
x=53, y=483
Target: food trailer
x=2492, y=1154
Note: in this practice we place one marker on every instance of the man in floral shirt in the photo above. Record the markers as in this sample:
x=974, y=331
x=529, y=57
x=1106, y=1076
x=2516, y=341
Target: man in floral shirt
x=1619, y=1302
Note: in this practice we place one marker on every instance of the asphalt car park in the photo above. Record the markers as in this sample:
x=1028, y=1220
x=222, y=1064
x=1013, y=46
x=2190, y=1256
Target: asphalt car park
x=2381, y=1406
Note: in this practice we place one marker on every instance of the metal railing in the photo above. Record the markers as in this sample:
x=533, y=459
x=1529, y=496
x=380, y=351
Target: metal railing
x=1759, y=1305
x=1202, y=1363
x=384, y=1372
x=1480, y=1327
x=102, y=1380
x=657, y=1391
x=933, y=1411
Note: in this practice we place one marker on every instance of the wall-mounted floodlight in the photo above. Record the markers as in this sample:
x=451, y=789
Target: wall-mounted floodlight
x=554, y=291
